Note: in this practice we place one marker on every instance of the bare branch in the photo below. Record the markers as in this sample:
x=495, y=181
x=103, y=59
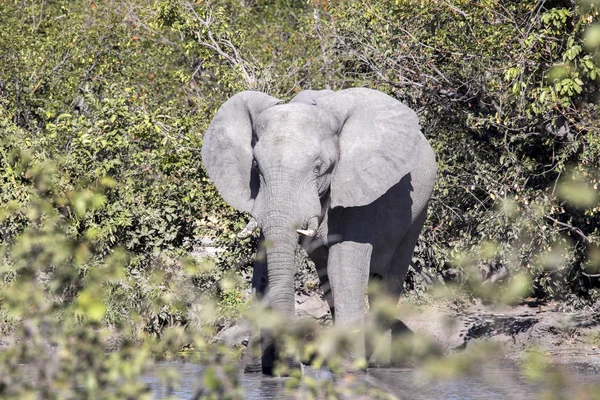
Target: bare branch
x=456, y=9
x=223, y=47
x=572, y=228
x=590, y=275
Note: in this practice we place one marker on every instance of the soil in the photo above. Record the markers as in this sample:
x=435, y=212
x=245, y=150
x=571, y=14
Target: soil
x=567, y=338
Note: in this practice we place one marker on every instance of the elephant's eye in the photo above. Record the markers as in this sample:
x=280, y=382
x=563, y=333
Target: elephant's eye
x=317, y=168
x=254, y=164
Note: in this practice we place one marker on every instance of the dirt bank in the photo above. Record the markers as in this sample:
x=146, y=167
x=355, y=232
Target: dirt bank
x=567, y=338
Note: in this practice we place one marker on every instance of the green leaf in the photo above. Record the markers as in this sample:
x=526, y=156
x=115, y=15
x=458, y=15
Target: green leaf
x=91, y=306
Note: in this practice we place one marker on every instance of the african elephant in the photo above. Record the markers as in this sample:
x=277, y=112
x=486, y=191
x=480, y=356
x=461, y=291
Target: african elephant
x=349, y=169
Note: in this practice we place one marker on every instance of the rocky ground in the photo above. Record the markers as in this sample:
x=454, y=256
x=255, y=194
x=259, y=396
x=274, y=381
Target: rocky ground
x=567, y=338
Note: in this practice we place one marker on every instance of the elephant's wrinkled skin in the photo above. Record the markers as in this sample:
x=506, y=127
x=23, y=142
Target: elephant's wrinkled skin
x=350, y=167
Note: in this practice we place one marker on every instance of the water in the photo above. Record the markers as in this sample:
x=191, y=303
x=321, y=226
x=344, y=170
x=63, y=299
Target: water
x=255, y=386
x=502, y=382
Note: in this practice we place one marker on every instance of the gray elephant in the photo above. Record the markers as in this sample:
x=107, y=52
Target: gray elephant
x=351, y=170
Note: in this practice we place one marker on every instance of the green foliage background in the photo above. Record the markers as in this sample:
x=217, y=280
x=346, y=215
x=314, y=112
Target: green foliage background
x=103, y=105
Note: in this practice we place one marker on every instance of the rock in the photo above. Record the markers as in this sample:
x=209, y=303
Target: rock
x=236, y=335
x=440, y=326
x=313, y=306
x=206, y=249
x=493, y=272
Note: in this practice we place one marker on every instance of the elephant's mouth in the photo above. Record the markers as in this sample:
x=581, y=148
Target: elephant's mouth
x=310, y=229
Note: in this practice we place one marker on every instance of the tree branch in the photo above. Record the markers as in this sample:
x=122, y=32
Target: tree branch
x=572, y=228
x=215, y=44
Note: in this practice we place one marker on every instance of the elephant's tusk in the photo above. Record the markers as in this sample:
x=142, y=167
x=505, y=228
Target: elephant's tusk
x=247, y=231
x=307, y=232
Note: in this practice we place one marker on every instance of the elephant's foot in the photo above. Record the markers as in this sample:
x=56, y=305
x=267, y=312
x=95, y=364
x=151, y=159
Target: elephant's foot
x=255, y=365
x=252, y=365
x=402, y=352
x=253, y=368
x=252, y=358
x=391, y=347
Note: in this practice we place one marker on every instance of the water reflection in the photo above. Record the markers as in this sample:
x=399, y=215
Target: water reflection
x=496, y=383
x=502, y=382
x=254, y=386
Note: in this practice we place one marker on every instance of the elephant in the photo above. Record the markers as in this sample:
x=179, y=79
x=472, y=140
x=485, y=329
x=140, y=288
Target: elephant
x=348, y=174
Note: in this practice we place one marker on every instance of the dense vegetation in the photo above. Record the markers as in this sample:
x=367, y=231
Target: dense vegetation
x=103, y=105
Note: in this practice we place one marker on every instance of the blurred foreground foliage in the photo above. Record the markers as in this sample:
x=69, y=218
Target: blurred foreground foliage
x=103, y=197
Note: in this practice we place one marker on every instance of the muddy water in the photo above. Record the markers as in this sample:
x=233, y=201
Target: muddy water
x=503, y=382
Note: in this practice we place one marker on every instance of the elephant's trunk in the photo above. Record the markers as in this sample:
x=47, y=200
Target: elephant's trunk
x=283, y=206
x=287, y=206
x=280, y=244
x=281, y=241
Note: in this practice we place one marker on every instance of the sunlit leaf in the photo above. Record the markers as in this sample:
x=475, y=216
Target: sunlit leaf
x=91, y=306
x=591, y=37
x=578, y=193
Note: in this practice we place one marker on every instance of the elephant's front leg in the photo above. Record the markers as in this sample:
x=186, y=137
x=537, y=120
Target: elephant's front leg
x=256, y=358
x=348, y=271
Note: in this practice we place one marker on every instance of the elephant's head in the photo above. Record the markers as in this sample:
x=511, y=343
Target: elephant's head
x=286, y=164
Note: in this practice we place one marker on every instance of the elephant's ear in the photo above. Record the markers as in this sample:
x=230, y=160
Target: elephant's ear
x=379, y=143
x=227, y=148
